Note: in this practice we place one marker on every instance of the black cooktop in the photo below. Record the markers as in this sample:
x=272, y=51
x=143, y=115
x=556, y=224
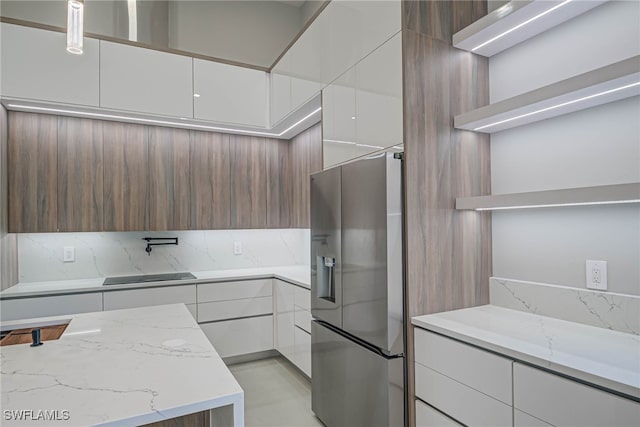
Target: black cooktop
x=144, y=278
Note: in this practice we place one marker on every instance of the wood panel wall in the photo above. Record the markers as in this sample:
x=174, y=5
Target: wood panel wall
x=448, y=252
x=126, y=189
x=8, y=242
x=33, y=173
x=210, y=181
x=71, y=174
x=306, y=158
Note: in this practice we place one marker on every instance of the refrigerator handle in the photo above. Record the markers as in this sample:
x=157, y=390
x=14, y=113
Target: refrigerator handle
x=326, y=279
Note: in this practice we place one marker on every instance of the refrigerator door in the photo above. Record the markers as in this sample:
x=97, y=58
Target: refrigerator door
x=372, y=279
x=352, y=385
x=326, y=263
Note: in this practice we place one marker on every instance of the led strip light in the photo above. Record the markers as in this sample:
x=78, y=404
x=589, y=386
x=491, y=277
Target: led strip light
x=160, y=122
x=553, y=205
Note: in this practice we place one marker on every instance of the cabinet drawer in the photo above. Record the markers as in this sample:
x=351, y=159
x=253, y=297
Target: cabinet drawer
x=522, y=419
x=459, y=401
x=302, y=319
x=302, y=351
x=426, y=416
x=479, y=369
x=302, y=297
x=560, y=401
x=220, y=310
x=116, y=300
x=241, y=336
x=240, y=289
x=28, y=308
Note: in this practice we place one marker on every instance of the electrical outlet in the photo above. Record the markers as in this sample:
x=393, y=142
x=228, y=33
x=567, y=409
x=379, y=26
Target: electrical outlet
x=597, y=275
x=69, y=254
x=237, y=248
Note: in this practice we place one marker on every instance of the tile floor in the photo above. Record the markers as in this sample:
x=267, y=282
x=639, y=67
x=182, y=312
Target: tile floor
x=275, y=394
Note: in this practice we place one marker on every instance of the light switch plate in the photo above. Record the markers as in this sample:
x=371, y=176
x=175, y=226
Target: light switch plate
x=237, y=248
x=69, y=254
x=597, y=275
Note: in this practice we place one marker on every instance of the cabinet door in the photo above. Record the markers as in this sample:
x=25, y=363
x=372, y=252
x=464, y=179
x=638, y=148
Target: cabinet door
x=379, y=97
x=280, y=95
x=229, y=94
x=339, y=120
x=80, y=174
x=284, y=319
x=132, y=298
x=248, y=182
x=29, y=308
x=125, y=176
x=256, y=335
x=278, y=184
x=560, y=401
x=145, y=80
x=302, y=343
x=36, y=65
x=33, y=160
x=306, y=65
x=169, y=195
x=210, y=181
x=306, y=158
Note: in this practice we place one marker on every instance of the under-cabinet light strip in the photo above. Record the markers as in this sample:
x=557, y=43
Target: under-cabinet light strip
x=528, y=21
x=564, y=104
x=553, y=205
x=160, y=122
x=355, y=143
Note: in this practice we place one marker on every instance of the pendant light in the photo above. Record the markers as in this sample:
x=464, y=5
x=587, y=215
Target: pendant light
x=75, y=10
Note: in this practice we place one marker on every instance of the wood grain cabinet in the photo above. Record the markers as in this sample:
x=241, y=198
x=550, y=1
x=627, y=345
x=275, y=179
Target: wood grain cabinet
x=169, y=193
x=125, y=176
x=210, y=181
x=279, y=191
x=306, y=158
x=33, y=170
x=248, y=182
x=80, y=174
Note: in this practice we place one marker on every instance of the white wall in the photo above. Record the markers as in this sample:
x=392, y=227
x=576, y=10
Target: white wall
x=117, y=254
x=598, y=146
x=254, y=32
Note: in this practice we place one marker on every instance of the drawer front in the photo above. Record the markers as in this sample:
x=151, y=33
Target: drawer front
x=302, y=319
x=522, y=419
x=241, y=336
x=221, y=310
x=240, y=289
x=302, y=352
x=193, y=309
x=426, y=416
x=116, y=300
x=561, y=401
x=302, y=297
x=459, y=401
x=29, y=308
x=479, y=369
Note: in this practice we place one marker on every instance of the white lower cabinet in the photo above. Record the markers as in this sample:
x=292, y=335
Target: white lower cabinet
x=116, y=300
x=284, y=318
x=240, y=336
x=522, y=419
x=426, y=416
x=28, y=308
x=560, y=401
x=302, y=353
x=222, y=310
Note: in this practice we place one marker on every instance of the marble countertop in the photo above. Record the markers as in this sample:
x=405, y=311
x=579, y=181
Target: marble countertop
x=297, y=274
x=599, y=356
x=119, y=368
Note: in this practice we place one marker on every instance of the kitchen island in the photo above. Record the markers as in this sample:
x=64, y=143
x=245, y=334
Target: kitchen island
x=118, y=368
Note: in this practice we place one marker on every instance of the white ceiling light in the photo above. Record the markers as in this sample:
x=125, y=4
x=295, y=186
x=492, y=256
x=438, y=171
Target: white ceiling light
x=75, y=18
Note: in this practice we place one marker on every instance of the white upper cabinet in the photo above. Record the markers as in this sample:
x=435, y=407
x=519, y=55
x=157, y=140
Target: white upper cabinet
x=339, y=119
x=36, y=65
x=379, y=96
x=281, y=89
x=306, y=63
x=229, y=94
x=144, y=80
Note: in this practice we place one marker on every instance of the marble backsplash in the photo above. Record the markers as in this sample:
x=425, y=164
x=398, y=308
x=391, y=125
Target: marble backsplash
x=40, y=256
x=618, y=312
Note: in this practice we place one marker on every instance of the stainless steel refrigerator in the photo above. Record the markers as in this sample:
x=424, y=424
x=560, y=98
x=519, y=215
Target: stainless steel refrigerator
x=357, y=334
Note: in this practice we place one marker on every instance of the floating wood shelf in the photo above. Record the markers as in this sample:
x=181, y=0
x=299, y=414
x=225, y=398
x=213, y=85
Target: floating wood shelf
x=600, y=86
x=516, y=22
x=605, y=194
